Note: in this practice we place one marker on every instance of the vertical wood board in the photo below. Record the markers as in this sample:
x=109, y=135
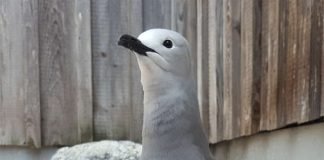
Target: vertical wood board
x=236, y=67
x=19, y=74
x=316, y=53
x=291, y=63
x=282, y=65
x=202, y=64
x=322, y=66
x=270, y=38
x=228, y=69
x=247, y=43
x=65, y=61
x=215, y=64
x=257, y=66
x=303, y=58
x=118, y=94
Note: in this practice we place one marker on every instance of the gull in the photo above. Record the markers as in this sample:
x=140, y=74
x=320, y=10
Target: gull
x=172, y=127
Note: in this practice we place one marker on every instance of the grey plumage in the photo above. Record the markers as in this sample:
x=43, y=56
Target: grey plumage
x=172, y=128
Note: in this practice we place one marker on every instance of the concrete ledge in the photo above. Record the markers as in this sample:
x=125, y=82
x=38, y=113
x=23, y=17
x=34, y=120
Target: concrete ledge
x=299, y=143
x=23, y=153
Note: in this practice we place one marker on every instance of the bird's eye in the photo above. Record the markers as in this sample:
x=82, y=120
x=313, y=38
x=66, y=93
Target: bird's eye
x=167, y=44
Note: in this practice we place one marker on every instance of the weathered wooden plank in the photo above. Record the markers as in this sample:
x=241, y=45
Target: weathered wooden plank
x=257, y=66
x=157, y=14
x=289, y=73
x=202, y=64
x=270, y=40
x=282, y=66
x=19, y=80
x=228, y=69
x=291, y=63
x=303, y=55
x=215, y=63
x=248, y=8
x=220, y=67
x=117, y=92
x=236, y=67
x=65, y=61
x=322, y=69
x=83, y=69
x=315, y=59
x=231, y=61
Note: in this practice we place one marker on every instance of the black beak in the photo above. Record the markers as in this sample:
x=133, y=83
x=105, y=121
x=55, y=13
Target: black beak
x=134, y=44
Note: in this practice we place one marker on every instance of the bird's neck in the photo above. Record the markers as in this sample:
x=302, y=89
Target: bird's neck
x=158, y=84
x=172, y=125
x=167, y=109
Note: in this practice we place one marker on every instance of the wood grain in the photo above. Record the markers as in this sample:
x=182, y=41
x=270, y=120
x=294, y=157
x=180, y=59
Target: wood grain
x=220, y=66
x=118, y=95
x=291, y=63
x=215, y=63
x=19, y=80
x=303, y=58
x=257, y=66
x=269, y=75
x=282, y=65
x=246, y=65
x=202, y=64
x=322, y=68
x=157, y=14
x=315, y=59
x=248, y=55
x=228, y=69
x=236, y=67
x=65, y=61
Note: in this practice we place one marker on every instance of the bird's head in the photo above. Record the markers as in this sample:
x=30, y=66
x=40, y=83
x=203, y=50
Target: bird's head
x=160, y=53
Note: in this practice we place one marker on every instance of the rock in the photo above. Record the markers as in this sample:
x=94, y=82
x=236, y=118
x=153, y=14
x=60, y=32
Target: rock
x=103, y=150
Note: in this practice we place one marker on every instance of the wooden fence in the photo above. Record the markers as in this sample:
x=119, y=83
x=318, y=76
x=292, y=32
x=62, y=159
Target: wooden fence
x=64, y=81
x=266, y=65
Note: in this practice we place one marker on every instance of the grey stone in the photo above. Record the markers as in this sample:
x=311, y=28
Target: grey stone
x=103, y=150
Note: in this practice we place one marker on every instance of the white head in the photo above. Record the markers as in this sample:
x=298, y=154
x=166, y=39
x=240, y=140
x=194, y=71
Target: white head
x=161, y=54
